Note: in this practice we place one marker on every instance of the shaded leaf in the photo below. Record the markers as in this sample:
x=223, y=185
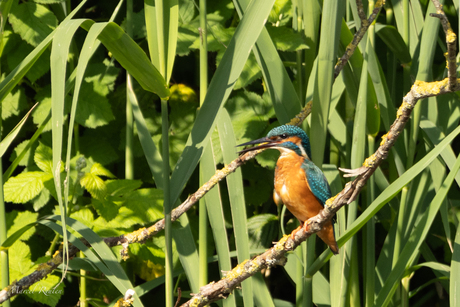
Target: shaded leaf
x=262, y=230
x=43, y=157
x=98, y=170
x=286, y=39
x=34, y=22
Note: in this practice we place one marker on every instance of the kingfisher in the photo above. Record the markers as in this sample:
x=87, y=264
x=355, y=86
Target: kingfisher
x=299, y=183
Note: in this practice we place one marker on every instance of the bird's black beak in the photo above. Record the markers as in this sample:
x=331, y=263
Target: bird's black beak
x=267, y=144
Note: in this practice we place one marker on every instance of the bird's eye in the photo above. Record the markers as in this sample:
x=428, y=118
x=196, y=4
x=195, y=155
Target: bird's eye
x=284, y=136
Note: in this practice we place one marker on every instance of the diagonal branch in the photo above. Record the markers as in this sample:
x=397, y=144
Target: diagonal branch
x=275, y=256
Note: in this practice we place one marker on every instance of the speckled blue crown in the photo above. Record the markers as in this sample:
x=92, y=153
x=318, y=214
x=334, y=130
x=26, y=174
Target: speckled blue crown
x=292, y=131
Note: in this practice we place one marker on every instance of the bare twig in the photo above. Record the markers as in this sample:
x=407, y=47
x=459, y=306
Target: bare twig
x=365, y=23
x=451, y=39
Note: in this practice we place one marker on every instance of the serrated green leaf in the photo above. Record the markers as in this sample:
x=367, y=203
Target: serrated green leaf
x=147, y=204
x=262, y=230
x=94, y=185
x=40, y=67
x=41, y=200
x=218, y=38
x=186, y=35
x=22, y=264
x=98, y=170
x=93, y=108
x=102, y=76
x=15, y=220
x=46, y=292
x=186, y=11
x=122, y=187
x=14, y=103
x=84, y=215
x=286, y=39
x=106, y=208
x=250, y=114
x=25, y=186
x=98, y=148
x=43, y=157
x=34, y=22
x=27, y=160
x=138, y=25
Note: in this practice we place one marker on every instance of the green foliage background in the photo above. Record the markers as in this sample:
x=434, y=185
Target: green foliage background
x=399, y=241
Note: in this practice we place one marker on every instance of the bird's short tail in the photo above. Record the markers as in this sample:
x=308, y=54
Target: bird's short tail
x=327, y=235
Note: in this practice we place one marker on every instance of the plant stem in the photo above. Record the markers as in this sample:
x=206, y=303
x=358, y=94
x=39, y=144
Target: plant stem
x=169, y=286
x=3, y=235
x=129, y=157
x=369, y=233
x=83, y=301
x=203, y=216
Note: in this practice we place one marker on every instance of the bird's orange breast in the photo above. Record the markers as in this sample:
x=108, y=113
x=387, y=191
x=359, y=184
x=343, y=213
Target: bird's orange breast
x=292, y=187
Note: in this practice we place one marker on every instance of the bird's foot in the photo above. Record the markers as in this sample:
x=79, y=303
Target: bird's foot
x=304, y=226
x=353, y=172
x=293, y=233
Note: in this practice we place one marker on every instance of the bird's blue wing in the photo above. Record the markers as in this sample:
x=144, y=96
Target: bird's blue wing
x=317, y=182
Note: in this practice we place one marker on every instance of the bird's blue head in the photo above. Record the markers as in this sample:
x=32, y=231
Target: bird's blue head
x=285, y=137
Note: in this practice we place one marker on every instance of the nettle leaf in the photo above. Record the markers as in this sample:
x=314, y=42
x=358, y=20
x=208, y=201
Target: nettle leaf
x=25, y=186
x=187, y=34
x=27, y=160
x=250, y=73
x=141, y=207
x=15, y=220
x=22, y=264
x=98, y=147
x=186, y=11
x=138, y=23
x=218, y=38
x=43, y=157
x=121, y=187
x=45, y=291
x=84, y=215
x=93, y=109
x=99, y=170
x=94, y=185
x=102, y=76
x=14, y=102
x=286, y=39
x=146, y=204
x=262, y=230
x=41, y=200
x=250, y=114
x=106, y=208
x=259, y=188
x=40, y=67
x=32, y=21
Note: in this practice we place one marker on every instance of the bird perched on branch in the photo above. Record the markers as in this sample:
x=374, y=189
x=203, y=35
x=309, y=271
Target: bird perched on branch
x=299, y=183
